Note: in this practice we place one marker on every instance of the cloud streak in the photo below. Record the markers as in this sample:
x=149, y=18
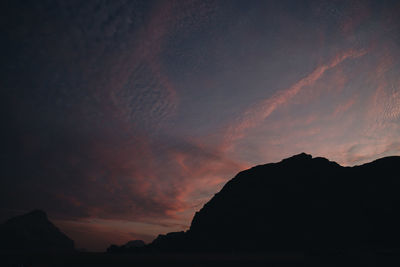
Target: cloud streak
x=262, y=110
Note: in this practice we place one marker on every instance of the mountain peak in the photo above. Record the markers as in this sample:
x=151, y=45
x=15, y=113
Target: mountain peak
x=297, y=204
x=37, y=214
x=301, y=156
x=33, y=231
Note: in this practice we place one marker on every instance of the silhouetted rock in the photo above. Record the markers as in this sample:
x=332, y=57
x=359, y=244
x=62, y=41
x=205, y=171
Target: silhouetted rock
x=170, y=242
x=135, y=244
x=132, y=245
x=298, y=204
x=114, y=248
x=33, y=231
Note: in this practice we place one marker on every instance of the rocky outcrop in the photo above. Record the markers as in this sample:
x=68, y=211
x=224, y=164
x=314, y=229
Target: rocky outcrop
x=132, y=245
x=33, y=231
x=300, y=203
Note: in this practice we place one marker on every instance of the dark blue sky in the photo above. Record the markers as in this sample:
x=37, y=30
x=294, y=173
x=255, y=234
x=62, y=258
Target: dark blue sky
x=121, y=118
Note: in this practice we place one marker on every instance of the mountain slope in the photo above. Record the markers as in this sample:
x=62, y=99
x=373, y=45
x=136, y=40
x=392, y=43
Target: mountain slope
x=33, y=231
x=297, y=204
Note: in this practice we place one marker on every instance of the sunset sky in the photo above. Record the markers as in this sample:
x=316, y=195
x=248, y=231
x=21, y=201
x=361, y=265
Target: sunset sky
x=121, y=119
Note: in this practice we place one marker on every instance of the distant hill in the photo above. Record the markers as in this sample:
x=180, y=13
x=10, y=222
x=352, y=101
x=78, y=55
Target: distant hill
x=129, y=246
x=298, y=204
x=33, y=231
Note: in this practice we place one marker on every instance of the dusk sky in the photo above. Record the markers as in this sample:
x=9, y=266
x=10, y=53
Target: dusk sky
x=121, y=119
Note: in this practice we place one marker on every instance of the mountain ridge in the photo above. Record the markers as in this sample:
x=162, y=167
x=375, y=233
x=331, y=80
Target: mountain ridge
x=299, y=203
x=33, y=231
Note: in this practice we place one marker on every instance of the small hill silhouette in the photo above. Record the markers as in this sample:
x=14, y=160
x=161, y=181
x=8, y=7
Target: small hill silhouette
x=299, y=204
x=33, y=231
x=129, y=246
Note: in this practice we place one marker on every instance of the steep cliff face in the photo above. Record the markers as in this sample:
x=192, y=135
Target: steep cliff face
x=298, y=204
x=33, y=231
x=303, y=202
x=269, y=207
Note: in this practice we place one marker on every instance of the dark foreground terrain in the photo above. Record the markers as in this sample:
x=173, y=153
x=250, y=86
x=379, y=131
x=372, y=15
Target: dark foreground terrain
x=333, y=258
x=301, y=211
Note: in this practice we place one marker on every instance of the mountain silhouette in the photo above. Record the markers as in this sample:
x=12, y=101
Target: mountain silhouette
x=33, y=231
x=299, y=204
x=129, y=246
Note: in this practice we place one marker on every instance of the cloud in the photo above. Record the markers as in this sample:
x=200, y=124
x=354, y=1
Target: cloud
x=262, y=110
x=96, y=114
x=113, y=175
x=343, y=107
x=87, y=112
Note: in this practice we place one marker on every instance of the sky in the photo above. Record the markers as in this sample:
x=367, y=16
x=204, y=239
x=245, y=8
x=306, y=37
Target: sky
x=121, y=119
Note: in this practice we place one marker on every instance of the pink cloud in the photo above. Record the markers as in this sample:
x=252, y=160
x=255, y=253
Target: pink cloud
x=343, y=107
x=260, y=111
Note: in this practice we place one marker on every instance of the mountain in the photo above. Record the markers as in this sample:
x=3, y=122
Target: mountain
x=33, y=231
x=299, y=204
x=129, y=246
